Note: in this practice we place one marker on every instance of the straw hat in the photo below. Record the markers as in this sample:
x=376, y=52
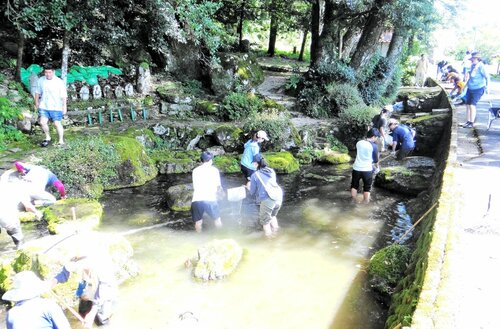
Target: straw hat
x=26, y=286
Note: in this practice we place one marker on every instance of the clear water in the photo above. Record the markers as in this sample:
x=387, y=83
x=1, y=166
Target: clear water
x=311, y=276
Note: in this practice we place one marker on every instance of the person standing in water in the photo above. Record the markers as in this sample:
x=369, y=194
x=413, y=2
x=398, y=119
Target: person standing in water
x=252, y=148
x=363, y=167
x=206, y=185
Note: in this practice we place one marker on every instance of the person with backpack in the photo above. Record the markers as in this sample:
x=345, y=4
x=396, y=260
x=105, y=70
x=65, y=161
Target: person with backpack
x=402, y=139
x=379, y=122
x=268, y=194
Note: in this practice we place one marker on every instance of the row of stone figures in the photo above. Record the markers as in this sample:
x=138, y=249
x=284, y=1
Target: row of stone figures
x=143, y=87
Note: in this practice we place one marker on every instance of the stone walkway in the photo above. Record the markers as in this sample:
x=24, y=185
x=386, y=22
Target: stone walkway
x=473, y=284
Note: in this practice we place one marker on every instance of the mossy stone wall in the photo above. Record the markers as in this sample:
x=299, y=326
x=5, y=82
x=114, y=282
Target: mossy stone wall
x=415, y=302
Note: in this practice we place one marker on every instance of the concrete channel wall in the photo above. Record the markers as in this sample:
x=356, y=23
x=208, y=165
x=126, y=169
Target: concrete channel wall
x=418, y=300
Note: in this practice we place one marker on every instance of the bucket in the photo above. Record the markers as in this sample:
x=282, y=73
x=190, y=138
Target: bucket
x=236, y=193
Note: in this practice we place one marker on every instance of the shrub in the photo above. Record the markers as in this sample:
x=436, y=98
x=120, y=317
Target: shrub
x=336, y=145
x=236, y=106
x=354, y=122
x=276, y=124
x=8, y=114
x=336, y=70
x=373, y=80
x=342, y=96
x=83, y=163
x=311, y=102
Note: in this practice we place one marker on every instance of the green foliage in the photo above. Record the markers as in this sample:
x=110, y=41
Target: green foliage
x=342, y=96
x=372, y=79
x=335, y=70
x=193, y=87
x=8, y=114
x=237, y=106
x=310, y=101
x=390, y=263
x=277, y=125
x=292, y=83
x=83, y=162
x=336, y=145
x=354, y=122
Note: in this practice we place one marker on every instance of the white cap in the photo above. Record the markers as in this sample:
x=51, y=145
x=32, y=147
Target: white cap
x=262, y=134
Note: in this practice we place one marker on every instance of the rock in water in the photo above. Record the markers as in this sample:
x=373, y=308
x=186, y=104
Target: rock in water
x=217, y=259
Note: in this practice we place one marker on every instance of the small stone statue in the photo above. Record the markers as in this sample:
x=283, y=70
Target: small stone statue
x=73, y=95
x=107, y=91
x=129, y=90
x=97, y=92
x=33, y=83
x=119, y=92
x=84, y=93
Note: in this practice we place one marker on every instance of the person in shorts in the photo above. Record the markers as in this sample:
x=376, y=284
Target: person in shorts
x=476, y=86
x=363, y=167
x=206, y=185
x=50, y=100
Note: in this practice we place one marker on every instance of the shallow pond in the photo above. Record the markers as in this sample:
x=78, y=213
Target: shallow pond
x=311, y=276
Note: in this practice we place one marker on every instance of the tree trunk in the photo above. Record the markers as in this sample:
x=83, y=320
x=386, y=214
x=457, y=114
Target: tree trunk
x=65, y=57
x=370, y=37
x=396, y=46
x=239, y=30
x=20, y=55
x=273, y=31
x=327, y=42
x=350, y=41
x=315, y=24
x=303, y=45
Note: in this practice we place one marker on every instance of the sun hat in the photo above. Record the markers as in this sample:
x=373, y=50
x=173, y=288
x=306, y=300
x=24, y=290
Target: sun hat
x=206, y=156
x=262, y=134
x=475, y=54
x=27, y=285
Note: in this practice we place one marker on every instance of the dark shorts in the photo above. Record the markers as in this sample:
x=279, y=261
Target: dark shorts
x=51, y=115
x=366, y=176
x=198, y=208
x=472, y=97
x=246, y=171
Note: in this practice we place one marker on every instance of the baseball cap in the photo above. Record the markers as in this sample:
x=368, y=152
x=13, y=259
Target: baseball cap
x=206, y=156
x=262, y=134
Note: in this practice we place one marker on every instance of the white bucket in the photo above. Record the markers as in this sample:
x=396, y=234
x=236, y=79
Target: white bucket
x=236, y=193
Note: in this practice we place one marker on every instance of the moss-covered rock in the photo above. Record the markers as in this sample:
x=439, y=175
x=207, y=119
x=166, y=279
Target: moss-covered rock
x=387, y=267
x=179, y=197
x=282, y=162
x=228, y=164
x=229, y=136
x=59, y=216
x=332, y=157
x=176, y=162
x=135, y=167
x=173, y=92
x=410, y=176
x=206, y=107
x=217, y=259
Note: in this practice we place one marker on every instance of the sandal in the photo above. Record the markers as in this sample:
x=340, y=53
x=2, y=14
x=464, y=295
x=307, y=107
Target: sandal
x=45, y=143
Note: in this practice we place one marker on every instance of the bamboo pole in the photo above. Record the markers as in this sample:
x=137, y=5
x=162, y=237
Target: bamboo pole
x=416, y=223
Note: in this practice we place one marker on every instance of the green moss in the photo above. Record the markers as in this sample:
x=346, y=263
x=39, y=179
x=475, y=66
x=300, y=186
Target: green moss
x=332, y=157
x=227, y=164
x=390, y=263
x=283, y=162
x=232, y=131
x=427, y=117
x=61, y=211
x=136, y=167
x=93, y=103
x=6, y=271
x=389, y=172
x=207, y=107
x=144, y=65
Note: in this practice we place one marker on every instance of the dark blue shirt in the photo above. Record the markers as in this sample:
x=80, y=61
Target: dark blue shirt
x=403, y=137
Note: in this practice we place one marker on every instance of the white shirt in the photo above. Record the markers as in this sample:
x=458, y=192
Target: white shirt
x=52, y=92
x=364, y=156
x=206, y=180
x=11, y=196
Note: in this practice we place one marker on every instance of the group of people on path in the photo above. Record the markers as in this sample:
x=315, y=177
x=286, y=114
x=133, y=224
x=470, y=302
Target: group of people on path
x=260, y=182
x=385, y=133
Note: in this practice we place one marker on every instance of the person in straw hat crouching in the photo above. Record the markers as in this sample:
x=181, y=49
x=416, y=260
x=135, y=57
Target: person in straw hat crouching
x=30, y=310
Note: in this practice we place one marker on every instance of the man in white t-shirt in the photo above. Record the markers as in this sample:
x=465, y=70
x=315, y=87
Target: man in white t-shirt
x=363, y=167
x=50, y=100
x=206, y=184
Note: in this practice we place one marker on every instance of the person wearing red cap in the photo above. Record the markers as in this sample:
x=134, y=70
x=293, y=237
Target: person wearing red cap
x=40, y=178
